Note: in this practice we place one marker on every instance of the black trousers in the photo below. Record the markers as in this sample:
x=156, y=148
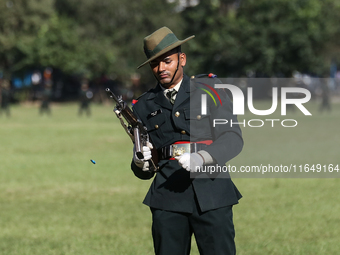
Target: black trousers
x=213, y=230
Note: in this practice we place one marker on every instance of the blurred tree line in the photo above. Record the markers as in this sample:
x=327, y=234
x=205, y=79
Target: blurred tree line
x=233, y=37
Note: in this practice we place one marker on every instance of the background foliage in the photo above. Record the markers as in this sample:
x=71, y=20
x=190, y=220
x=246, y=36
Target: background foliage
x=92, y=37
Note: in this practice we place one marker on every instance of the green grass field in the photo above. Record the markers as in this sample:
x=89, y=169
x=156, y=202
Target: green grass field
x=53, y=200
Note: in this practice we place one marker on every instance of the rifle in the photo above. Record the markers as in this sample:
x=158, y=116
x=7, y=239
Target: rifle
x=134, y=127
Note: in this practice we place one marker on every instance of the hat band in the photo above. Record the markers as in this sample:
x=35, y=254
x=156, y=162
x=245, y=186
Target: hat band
x=167, y=41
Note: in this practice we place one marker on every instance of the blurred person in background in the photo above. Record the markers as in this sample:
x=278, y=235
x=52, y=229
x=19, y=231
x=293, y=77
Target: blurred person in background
x=85, y=95
x=5, y=96
x=182, y=205
x=137, y=87
x=47, y=92
x=325, y=96
x=36, y=80
x=46, y=99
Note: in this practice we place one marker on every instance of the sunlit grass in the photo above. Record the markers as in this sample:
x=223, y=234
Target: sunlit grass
x=53, y=200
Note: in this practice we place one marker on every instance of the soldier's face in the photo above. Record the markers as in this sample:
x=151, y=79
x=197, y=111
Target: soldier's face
x=164, y=68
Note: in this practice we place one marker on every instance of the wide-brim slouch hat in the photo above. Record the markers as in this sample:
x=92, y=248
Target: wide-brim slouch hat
x=160, y=42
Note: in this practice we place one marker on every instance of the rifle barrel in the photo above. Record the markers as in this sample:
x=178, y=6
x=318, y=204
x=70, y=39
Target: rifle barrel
x=112, y=95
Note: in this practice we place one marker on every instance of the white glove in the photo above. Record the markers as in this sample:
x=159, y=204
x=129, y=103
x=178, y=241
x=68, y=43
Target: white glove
x=190, y=161
x=143, y=163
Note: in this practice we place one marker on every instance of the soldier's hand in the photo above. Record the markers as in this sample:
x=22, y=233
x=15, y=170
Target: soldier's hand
x=190, y=161
x=143, y=163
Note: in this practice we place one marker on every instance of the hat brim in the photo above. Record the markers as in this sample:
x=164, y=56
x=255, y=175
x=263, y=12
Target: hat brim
x=165, y=50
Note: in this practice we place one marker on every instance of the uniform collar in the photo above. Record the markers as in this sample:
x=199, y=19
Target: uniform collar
x=160, y=99
x=177, y=86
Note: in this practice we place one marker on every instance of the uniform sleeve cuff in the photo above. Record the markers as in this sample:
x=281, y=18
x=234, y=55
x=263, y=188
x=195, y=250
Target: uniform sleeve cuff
x=207, y=158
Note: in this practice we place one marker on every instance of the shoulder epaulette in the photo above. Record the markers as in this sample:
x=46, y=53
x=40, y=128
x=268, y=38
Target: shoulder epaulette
x=210, y=75
x=134, y=101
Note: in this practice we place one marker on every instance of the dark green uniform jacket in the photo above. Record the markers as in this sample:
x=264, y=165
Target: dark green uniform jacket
x=172, y=188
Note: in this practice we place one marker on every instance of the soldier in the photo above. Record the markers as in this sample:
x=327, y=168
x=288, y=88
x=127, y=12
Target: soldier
x=325, y=96
x=85, y=95
x=46, y=99
x=5, y=94
x=181, y=204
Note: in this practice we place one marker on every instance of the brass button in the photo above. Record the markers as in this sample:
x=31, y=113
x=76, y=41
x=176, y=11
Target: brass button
x=177, y=114
x=156, y=126
x=199, y=117
x=183, y=132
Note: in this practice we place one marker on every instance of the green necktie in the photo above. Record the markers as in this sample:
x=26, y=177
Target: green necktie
x=171, y=95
